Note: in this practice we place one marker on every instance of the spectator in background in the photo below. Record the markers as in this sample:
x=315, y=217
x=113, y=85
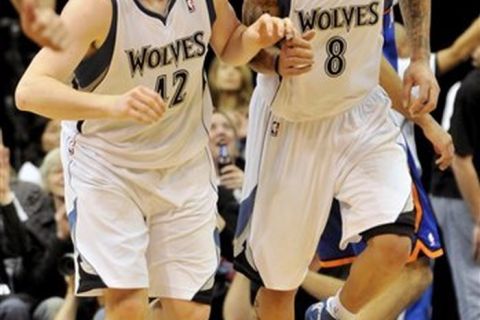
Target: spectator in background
x=50, y=140
x=232, y=88
x=36, y=234
x=229, y=168
x=457, y=202
x=230, y=175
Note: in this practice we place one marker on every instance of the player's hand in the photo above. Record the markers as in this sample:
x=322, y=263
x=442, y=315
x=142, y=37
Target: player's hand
x=140, y=104
x=476, y=243
x=268, y=30
x=419, y=74
x=296, y=55
x=5, y=192
x=442, y=143
x=43, y=25
x=231, y=177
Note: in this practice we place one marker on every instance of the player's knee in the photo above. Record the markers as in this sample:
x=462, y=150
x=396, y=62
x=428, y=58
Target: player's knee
x=127, y=304
x=420, y=274
x=276, y=297
x=394, y=249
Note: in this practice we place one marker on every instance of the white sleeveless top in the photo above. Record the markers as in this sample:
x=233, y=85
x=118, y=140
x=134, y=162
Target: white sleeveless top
x=348, y=50
x=165, y=54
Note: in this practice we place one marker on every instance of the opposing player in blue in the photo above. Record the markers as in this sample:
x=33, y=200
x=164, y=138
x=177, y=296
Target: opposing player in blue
x=140, y=195
x=415, y=279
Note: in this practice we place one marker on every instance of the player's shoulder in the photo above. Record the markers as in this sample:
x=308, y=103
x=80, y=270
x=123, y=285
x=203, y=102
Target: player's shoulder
x=89, y=18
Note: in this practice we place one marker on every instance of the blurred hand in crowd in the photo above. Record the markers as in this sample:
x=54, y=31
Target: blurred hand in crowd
x=42, y=25
x=231, y=177
x=61, y=221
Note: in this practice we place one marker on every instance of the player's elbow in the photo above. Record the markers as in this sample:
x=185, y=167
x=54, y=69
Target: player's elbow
x=23, y=95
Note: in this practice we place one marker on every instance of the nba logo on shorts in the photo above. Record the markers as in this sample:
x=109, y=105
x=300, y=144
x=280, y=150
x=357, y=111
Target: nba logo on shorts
x=274, y=129
x=190, y=5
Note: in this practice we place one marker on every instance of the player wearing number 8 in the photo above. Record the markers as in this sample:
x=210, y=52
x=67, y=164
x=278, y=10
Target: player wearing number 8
x=333, y=138
x=139, y=194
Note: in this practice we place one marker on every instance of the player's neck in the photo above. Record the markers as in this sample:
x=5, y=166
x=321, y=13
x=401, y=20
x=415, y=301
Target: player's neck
x=158, y=6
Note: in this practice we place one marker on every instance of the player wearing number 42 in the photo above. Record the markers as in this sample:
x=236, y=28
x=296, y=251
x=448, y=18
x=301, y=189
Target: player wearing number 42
x=139, y=194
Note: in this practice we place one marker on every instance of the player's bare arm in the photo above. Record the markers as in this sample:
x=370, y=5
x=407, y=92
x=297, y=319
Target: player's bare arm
x=295, y=55
x=416, y=14
x=440, y=139
x=51, y=71
x=236, y=43
x=41, y=24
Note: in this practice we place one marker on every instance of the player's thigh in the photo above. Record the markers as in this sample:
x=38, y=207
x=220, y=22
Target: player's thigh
x=108, y=228
x=376, y=191
x=183, y=250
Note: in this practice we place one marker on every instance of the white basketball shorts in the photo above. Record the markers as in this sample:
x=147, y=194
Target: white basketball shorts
x=295, y=169
x=141, y=228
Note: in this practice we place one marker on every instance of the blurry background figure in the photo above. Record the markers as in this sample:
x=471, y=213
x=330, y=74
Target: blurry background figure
x=50, y=139
x=231, y=89
x=41, y=24
x=229, y=168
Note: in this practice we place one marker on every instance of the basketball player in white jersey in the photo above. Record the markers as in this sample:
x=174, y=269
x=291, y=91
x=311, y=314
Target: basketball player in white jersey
x=139, y=180
x=329, y=135
x=41, y=24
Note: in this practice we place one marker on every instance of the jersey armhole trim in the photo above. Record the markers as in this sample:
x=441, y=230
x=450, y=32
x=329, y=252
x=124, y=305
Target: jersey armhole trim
x=92, y=70
x=211, y=11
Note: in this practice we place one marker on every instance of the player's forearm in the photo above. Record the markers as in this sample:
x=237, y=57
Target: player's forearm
x=53, y=99
x=416, y=14
x=241, y=47
x=392, y=84
x=468, y=182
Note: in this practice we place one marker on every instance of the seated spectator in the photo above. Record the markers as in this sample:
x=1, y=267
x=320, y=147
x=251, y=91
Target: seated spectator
x=229, y=172
x=50, y=140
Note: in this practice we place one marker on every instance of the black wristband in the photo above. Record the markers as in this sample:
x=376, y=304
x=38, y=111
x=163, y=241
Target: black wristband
x=277, y=64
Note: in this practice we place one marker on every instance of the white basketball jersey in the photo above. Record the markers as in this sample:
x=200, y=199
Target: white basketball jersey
x=165, y=54
x=348, y=50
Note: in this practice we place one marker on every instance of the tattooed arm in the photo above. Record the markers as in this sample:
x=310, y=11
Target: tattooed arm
x=416, y=14
x=294, y=57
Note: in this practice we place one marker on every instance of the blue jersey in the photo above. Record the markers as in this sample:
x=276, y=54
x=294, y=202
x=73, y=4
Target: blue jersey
x=389, y=48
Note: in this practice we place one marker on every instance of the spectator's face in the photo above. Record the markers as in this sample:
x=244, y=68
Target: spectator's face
x=229, y=78
x=55, y=180
x=51, y=136
x=221, y=132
